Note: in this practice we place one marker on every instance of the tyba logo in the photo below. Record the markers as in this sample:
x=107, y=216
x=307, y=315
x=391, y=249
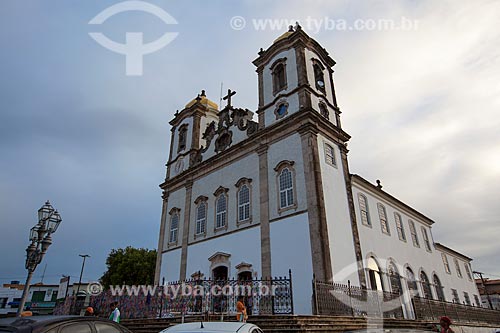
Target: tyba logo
x=134, y=49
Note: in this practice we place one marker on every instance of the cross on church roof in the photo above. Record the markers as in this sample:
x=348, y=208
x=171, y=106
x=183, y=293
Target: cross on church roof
x=228, y=97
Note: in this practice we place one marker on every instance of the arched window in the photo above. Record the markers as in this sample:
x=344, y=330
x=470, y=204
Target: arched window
x=286, y=188
x=319, y=77
x=411, y=282
x=438, y=287
x=364, y=210
x=374, y=275
x=243, y=203
x=278, y=71
x=394, y=278
x=201, y=216
x=383, y=219
x=413, y=232
x=174, y=225
x=323, y=110
x=426, y=285
x=221, y=212
x=182, y=138
x=399, y=226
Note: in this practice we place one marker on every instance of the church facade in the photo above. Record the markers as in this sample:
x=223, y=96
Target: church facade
x=245, y=198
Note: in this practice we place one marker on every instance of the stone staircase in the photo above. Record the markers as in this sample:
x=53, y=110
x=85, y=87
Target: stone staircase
x=285, y=323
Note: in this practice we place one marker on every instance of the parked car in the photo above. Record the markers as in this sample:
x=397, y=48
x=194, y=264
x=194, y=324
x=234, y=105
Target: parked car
x=60, y=324
x=213, y=327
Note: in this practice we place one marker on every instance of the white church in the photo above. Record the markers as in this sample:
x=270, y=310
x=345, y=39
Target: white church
x=247, y=199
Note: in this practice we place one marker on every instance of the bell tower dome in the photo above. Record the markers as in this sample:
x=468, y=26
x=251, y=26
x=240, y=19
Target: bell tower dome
x=295, y=72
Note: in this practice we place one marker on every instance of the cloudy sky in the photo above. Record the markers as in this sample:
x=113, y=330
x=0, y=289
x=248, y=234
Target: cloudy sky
x=422, y=105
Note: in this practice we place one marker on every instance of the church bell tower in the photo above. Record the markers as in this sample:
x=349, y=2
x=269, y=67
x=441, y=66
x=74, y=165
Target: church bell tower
x=295, y=72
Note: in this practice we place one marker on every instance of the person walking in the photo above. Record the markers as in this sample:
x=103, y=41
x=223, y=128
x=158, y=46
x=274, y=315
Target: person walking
x=115, y=314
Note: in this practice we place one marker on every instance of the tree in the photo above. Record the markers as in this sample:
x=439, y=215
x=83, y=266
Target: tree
x=129, y=266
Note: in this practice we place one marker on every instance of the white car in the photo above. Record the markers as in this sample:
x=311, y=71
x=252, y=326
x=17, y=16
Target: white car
x=213, y=327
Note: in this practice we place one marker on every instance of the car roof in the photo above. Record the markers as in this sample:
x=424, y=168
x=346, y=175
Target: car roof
x=211, y=327
x=29, y=324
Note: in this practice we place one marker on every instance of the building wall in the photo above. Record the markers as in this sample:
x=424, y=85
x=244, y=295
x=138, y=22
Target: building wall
x=293, y=230
x=226, y=177
x=243, y=246
x=337, y=215
x=452, y=280
x=389, y=247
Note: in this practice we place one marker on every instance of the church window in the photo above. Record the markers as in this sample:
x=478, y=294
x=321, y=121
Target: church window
x=330, y=155
x=411, y=282
x=446, y=263
x=221, y=212
x=394, y=279
x=457, y=266
x=413, y=232
x=364, y=210
x=278, y=71
x=201, y=217
x=182, y=138
x=456, y=299
x=467, y=298
x=286, y=188
x=324, y=110
x=319, y=77
x=243, y=203
x=467, y=271
x=426, y=285
x=426, y=239
x=438, y=287
x=374, y=275
x=399, y=227
x=384, y=224
x=174, y=226
x=285, y=182
x=281, y=109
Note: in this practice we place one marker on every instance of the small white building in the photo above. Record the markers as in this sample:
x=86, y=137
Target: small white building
x=243, y=198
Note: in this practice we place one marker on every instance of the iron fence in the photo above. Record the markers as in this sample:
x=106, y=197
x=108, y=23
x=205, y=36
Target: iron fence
x=337, y=299
x=431, y=310
x=195, y=297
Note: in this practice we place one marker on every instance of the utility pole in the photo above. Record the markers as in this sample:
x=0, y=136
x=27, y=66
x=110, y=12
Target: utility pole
x=485, y=289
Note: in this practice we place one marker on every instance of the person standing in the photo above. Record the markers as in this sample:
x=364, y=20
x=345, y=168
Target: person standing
x=445, y=324
x=115, y=314
x=241, y=309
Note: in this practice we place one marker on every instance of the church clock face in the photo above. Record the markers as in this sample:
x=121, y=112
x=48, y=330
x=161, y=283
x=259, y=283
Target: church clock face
x=282, y=109
x=179, y=166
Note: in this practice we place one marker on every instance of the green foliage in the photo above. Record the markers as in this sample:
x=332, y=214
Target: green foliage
x=129, y=266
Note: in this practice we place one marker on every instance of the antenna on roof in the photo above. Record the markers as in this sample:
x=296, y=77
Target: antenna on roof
x=220, y=99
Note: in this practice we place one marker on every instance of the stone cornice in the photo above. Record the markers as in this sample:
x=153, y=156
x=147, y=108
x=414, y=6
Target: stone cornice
x=270, y=134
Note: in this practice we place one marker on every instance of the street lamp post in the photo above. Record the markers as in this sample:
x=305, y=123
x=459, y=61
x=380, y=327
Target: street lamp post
x=84, y=256
x=48, y=222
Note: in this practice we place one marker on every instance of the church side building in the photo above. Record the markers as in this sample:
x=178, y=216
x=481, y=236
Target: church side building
x=245, y=198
